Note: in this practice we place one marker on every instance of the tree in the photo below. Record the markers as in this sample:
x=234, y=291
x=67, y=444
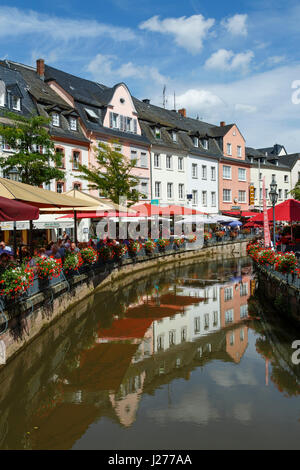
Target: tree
x=113, y=176
x=34, y=155
x=296, y=191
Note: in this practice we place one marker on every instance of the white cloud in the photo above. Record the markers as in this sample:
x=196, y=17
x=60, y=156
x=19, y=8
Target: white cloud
x=105, y=67
x=225, y=59
x=236, y=25
x=246, y=108
x=201, y=99
x=16, y=22
x=275, y=60
x=188, y=32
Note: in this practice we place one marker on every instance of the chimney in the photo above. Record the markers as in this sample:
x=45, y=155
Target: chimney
x=222, y=123
x=40, y=68
x=182, y=112
x=146, y=101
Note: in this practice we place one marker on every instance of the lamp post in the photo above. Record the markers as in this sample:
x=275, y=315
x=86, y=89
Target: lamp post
x=273, y=198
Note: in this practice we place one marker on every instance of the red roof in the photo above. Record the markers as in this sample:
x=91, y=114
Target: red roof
x=126, y=328
x=241, y=213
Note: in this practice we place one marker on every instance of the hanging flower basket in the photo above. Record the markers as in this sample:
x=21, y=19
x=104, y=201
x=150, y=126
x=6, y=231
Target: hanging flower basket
x=286, y=263
x=162, y=243
x=89, y=255
x=149, y=246
x=106, y=253
x=48, y=268
x=120, y=250
x=192, y=238
x=178, y=242
x=233, y=234
x=134, y=247
x=72, y=262
x=15, y=281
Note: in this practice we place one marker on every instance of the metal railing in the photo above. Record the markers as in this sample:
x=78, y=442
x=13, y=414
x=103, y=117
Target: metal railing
x=291, y=279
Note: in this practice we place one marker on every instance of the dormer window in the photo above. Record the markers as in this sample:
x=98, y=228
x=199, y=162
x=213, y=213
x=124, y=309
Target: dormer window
x=196, y=141
x=55, y=119
x=204, y=143
x=16, y=103
x=174, y=136
x=157, y=133
x=73, y=124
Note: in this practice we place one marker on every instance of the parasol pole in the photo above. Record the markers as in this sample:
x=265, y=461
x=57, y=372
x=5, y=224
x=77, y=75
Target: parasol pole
x=75, y=227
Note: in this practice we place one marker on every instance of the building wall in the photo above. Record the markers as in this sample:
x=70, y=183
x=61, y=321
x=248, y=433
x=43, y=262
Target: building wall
x=267, y=173
x=165, y=176
x=295, y=174
x=201, y=184
x=235, y=138
x=234, y=185
x=121, y=103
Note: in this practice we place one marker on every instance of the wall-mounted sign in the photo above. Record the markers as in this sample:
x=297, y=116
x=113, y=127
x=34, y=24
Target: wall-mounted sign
x=10, y=225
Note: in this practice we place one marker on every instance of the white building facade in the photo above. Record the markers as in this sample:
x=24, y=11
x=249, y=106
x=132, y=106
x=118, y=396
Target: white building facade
x=202, y=183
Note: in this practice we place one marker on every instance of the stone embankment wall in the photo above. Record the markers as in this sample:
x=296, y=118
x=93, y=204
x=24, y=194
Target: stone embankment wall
x=285, y=298
x=33, y=315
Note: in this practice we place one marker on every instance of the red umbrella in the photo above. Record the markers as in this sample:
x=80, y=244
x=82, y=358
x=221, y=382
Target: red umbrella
x=10, y=209
x=287, y=211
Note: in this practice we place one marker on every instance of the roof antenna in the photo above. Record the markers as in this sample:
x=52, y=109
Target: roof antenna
x=164, y=96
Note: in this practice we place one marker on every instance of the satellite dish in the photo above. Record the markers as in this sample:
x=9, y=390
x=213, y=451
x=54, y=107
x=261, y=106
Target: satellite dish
x=2, y=87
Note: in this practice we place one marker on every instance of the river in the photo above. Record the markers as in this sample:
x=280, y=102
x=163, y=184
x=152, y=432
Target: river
x=183, y=359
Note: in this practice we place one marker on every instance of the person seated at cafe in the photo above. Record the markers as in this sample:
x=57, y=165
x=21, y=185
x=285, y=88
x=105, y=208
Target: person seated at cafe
x=42, y=253
x=6, y=261
x=55, y=252
x=5, y=249
x=49, y=248
x=73, y=248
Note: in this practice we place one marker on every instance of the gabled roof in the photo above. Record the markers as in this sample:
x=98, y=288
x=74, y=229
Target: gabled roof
x=275, y=150
x=289, y=160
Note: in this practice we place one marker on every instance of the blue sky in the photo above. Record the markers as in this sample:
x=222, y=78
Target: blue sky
x=233, y=61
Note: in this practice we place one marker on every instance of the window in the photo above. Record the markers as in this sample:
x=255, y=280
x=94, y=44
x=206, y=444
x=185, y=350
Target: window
x=286, y=193
x=160, y=342
x=181, y=191
x=144, y=189
x=73, y=124
x=76, y=160
x=244, y=311
x=242, y=174
x=194, y=170
x=157, y=133
x=229, y=316
x=59, y=187
x=206, y=321
x=16, y=103
x=180, y=163
x=215, y=321
x=174, y=136
x=134, y=157
x=242, y=334
x=227, y=172
x=172, y=337
x=144, y=162
x=61, y=153
x=226, y=195
x=239, y=151
x=213, y=199
x=195, y=197
x=196, y=141
x=55, y=119
x=114, y=123
x=243, y=289
x=157, y=189
x=242, y=196
x=231, y=338
x=77, y=186
x=204, y=172
x=197, y=325
x=204, y=143
x=286, y=178
x=128, y=124
x=183, y=334
x=204, y=198
x=156, y=160
x=170, y=190
x=279, y=193
x=229, y=149
x=169, y=162
x=213, y=173
x=228, y=293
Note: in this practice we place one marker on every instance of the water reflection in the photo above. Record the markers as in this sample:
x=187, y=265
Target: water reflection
x=161, y=354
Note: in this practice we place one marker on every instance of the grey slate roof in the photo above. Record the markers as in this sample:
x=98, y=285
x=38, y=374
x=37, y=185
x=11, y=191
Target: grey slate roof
x=290, y=159
x=272, y=151
x=16, y=83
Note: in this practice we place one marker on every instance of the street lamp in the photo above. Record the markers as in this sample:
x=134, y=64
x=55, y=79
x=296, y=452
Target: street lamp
x=273, y=198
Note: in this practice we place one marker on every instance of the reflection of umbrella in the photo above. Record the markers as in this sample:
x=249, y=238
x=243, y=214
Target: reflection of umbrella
x=235, y=223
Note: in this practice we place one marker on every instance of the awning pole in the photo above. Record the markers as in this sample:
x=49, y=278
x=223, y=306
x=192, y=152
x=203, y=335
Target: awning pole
x=15, y=239
x=75, y=227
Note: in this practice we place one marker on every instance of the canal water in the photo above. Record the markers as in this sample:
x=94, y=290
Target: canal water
x=188, y=358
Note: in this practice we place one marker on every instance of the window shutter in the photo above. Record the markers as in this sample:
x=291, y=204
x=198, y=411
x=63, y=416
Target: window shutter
x=110, y=119
x=135, y=126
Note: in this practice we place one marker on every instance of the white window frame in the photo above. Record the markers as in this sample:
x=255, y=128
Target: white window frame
x=239, y=151
x=16, y=103
x=204, y=172
x=227, y=200
x=244, y=172
x=181, y=164
x=73, y=124
x=157, y=189
x=225, y=168
x=195, y=197
x=170, y=190
x=213, y=173
x=229, y=149
x=156, y=157
x=169, y=162
x=204, y=198
x=194, y=170
x=244, y=195
x=55, y=120
x=213, y=199
x=180, y=191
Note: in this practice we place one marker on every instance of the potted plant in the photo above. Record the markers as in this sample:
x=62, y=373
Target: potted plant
x=72, y=262
x=119, y=250
x=89, y=255
x=106, y=253
x=149, y=246
x=192, y=238
x=15, y=281
x=47, y=269
x=178, y=242
x=286, y=263
x=162, y=243
x=134, y=247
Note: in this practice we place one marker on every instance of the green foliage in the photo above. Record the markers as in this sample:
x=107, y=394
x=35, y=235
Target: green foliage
x=26, y=136
x=113, y=176
x=296, y=191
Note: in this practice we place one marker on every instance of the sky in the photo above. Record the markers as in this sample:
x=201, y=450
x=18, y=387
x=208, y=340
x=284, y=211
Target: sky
x=233, y=61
